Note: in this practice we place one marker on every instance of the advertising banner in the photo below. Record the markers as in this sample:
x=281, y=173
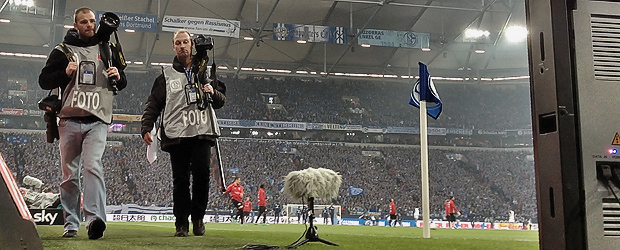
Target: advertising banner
x=134, y=21
x=309, y=33
x=459, y=131
x=7, y=111
x=232, y=123
x=205, y=26
x=127, y=118
x=393, y=38
x=49, y=216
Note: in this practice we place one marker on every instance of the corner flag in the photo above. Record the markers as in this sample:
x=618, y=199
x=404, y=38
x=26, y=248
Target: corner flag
x=424, y=90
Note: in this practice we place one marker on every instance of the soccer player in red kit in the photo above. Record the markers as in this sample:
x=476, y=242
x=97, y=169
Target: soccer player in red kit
x=262, y=204
x=450, y=211
x=236, y=196
x=247, y=208
x=392, y=213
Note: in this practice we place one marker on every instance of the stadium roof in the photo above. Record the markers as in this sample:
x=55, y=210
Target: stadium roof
x=35, y=30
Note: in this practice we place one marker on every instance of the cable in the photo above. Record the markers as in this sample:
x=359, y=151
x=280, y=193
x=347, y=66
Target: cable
x=606, y=169
x=259, y=247
x=612, y=191
x=303, y=234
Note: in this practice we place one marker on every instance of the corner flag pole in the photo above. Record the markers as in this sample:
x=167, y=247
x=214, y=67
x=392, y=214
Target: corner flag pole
x=422, y=93
x=424, y=164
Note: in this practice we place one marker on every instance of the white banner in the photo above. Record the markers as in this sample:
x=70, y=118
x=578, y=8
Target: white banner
x=205, y=26
x=17, y=92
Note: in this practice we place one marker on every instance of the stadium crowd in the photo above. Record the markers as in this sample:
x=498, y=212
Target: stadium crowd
x=340, y=101
x=487, y=183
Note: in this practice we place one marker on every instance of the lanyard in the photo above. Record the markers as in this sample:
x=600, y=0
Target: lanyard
x=188, y=73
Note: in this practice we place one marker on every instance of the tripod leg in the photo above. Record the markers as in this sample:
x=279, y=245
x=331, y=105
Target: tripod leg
x=327, y=242
x=298, y=243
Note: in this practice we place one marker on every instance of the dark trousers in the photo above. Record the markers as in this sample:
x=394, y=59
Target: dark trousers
x=276, y=215
x=190, y=157
x=261, y=211
x=237, y=204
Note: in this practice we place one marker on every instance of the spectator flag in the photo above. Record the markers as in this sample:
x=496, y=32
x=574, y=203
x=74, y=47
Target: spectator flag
x=353, y=191
x=424, y=90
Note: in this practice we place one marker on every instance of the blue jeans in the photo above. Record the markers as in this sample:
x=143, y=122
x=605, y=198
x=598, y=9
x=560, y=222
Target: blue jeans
x=82, y=144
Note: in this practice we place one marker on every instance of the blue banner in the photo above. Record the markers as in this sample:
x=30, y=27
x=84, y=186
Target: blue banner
x=277, y=125
x=403, y=130
x=141, y=22
x=309, y=33
x=353, y=190
x=12, y=139
x=459, y=131
x=393, y=38
x=232, y=123
x=283, y=148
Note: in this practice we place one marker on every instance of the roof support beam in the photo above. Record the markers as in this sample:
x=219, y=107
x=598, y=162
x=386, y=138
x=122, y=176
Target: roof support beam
x=258, y=36
x=57, y=22
x=325, y=19
x=354, y=39
x=410, y=5
x=239, y=11
x=148, y=11
x=501, y=33
x=159, y=25
x=479, y=16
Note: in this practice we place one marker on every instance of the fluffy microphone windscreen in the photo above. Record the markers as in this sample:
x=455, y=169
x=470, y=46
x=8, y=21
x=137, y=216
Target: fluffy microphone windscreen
x=320, y=183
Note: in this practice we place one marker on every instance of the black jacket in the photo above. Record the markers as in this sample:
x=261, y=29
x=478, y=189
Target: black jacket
x=53, y=74
x=157, y=101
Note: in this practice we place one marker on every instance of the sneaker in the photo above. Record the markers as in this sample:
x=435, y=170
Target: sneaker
x=234, y=221
x=265, y=224
x=181, y=232
x=199, y=228
x=70, y=234
x=96, y=228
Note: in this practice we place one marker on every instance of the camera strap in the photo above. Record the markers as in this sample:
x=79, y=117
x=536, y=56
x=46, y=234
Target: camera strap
x=118, y=57
x=67, y=52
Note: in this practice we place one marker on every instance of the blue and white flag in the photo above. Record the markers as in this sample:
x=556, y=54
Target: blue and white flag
x=424, y=90
x=353, y=191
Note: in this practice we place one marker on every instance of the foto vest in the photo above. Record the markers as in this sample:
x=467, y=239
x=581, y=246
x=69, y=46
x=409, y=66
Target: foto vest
x=181, y=120
x=92, y=96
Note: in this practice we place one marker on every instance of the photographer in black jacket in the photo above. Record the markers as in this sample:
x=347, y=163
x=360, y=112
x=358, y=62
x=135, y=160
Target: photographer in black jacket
x=186, y=130
x=84, y=117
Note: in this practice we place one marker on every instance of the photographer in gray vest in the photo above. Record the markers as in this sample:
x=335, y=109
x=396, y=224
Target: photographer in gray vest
x=185, y=97
x=76, y=67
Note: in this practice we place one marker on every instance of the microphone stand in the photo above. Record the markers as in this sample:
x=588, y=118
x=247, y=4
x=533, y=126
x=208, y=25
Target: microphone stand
x=311, y=234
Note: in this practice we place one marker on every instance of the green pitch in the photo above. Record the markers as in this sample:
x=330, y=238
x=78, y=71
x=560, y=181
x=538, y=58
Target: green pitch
x=154, y=235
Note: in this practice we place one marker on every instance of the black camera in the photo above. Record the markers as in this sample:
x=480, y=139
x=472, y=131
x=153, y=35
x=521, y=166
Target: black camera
x=203, y=44
x=107, y=25
x=51, y=105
